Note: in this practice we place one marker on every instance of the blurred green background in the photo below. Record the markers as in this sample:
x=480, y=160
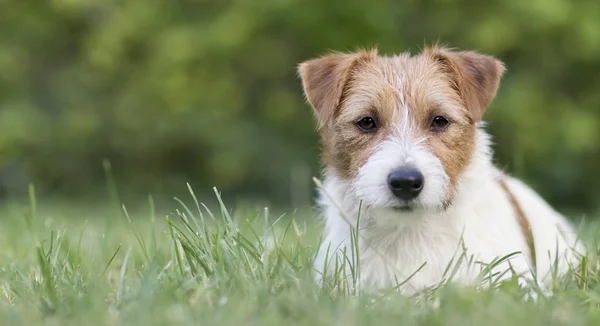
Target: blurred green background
x=206, y=91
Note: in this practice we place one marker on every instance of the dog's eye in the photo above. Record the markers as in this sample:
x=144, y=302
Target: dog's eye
x=439, y=123
x=366, y=124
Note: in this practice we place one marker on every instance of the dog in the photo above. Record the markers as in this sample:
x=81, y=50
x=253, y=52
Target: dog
x=409, y=192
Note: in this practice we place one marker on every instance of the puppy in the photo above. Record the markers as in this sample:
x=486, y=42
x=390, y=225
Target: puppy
x=409, y=193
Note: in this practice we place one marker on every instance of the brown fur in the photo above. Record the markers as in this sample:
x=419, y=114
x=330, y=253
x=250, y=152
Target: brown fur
x=324, y=78
x=523, y=222
x=475, y=76
x=343, y=88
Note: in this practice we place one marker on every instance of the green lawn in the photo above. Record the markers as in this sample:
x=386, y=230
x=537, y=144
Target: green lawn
x=63, y=265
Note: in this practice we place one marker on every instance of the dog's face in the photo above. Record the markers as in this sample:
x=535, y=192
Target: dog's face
x=401, y=129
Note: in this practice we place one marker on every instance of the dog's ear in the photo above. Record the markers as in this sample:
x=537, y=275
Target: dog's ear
x=475, y=76
x=324, y=79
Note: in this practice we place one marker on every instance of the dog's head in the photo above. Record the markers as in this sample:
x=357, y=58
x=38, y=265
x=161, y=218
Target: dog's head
x=400, y=129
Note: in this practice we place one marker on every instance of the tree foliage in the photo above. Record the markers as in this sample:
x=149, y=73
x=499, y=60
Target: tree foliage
x=206, y=90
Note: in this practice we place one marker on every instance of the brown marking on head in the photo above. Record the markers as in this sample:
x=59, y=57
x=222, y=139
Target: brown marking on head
x=475, y=76
x=343, y=88
x=324, y=80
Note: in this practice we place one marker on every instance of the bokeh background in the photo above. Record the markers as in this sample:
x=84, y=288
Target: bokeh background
x=206, y=92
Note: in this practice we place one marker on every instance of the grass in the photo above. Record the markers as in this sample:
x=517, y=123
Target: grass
x=200, y=266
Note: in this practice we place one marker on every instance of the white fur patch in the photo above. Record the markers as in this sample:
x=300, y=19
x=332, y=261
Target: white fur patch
x=371, y=183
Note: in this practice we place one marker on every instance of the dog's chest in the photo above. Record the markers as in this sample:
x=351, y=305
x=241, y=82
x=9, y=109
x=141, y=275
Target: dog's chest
x=417, y=258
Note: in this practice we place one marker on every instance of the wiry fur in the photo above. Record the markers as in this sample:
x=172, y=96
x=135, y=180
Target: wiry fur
x=462, y=208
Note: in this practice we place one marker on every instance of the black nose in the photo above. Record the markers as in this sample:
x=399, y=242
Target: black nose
x=406, y=183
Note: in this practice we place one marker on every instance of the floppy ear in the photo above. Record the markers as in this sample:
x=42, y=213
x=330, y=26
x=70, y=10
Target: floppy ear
x=475, y=76
x=324, y=79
